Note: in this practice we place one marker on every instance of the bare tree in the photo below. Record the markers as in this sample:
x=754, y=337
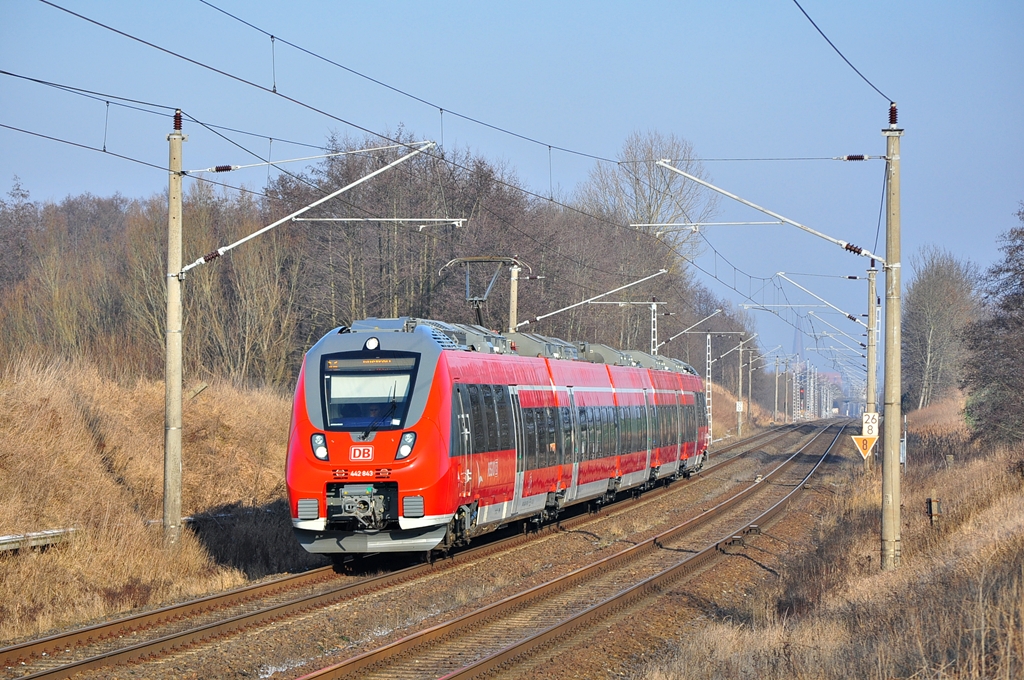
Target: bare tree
x=92, y=282
x=940, y=302
x=636, y=190
x=19, y=219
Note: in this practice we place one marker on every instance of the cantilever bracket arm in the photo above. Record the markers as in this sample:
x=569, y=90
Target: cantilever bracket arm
x=423, y=146
x=845, y=245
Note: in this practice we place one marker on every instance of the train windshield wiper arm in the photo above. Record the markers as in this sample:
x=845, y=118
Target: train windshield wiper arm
x=381, y=419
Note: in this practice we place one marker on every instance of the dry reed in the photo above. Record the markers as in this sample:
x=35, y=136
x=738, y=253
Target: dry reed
x=80, y=450
x=954, y=609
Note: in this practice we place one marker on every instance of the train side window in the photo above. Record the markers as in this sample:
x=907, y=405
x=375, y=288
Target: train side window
x=542, y=436
x=491, y=417
x=584, y=433
x=477, y=416
x=606, y=440
x=667, y=438
x=503, y=405
x=611, y=438
x=655, y=427
x=551, y=435
x=671, y=425
x=530, y=437
x=634, y=442
x=634, y=429
x=666, y=426
x=594, y=418
x=641, y=416
x=616, y=430
x=459, y=422
x=607, y=445
x=565, y=424
x=542, y=433
x=674, y=429
x=622, y=425
x=625, y=437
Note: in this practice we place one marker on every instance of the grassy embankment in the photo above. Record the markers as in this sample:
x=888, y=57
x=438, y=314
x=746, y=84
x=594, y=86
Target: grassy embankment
x=79, y=450
x=954, y=609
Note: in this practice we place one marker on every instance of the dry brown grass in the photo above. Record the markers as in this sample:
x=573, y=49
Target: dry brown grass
x=79, y=450
x=954, y=609
x=938, y=419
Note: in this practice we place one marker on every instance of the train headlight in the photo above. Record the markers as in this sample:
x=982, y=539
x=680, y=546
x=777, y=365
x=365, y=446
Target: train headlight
x=319, y=444
x=405, y=445
x=372, y=344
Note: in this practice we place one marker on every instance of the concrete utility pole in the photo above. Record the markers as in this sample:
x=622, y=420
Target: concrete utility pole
x=739, y=392
x=513, y=300
x=872, y=388
x=891, y=427
x=707, y=391
x=775, y=412
x=739, y=395
x=750, y=386
x=707, y=372
x=172, y=368
x=787, y=405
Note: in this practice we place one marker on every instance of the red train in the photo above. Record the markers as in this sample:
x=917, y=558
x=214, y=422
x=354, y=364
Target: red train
x=414, y=435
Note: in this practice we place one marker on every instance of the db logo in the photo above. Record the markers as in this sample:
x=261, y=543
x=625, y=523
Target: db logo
x=360, y=453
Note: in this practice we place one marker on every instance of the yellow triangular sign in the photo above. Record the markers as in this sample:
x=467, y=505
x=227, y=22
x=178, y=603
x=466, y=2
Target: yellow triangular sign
x=864, y=444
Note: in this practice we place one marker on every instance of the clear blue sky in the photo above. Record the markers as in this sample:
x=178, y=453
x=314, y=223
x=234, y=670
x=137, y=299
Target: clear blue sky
x=740, y=80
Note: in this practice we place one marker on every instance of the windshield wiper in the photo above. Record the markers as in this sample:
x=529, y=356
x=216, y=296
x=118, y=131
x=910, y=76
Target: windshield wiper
x=381, y=419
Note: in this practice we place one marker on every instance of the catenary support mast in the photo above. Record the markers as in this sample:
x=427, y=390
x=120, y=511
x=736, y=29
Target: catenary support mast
x=891, y=425
x=870, y=405
x=172, y=368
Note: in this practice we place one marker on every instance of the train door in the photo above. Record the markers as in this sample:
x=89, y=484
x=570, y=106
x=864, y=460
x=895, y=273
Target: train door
x=565, y=439
x=517, y=426
x=462, y=441
x=650, y=423
x=573, y=452
x=677, y=425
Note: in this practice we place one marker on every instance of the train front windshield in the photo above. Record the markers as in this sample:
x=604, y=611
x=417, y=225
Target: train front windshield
x=367, y=392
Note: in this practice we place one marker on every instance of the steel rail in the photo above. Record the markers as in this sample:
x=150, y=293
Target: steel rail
x=513, y=603
x=34, y=648
x=651, y=586
x=50, y=646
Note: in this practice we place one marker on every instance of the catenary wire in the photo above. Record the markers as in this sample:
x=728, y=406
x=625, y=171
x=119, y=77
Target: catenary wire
x=366, y=130
x=118, y=101
x=292, y=99
x=863, y=77
x=404, y=93
x=444, y=110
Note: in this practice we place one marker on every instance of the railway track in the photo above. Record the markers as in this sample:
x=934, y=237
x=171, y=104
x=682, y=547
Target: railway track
x=175, y=627
x=474, y=644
